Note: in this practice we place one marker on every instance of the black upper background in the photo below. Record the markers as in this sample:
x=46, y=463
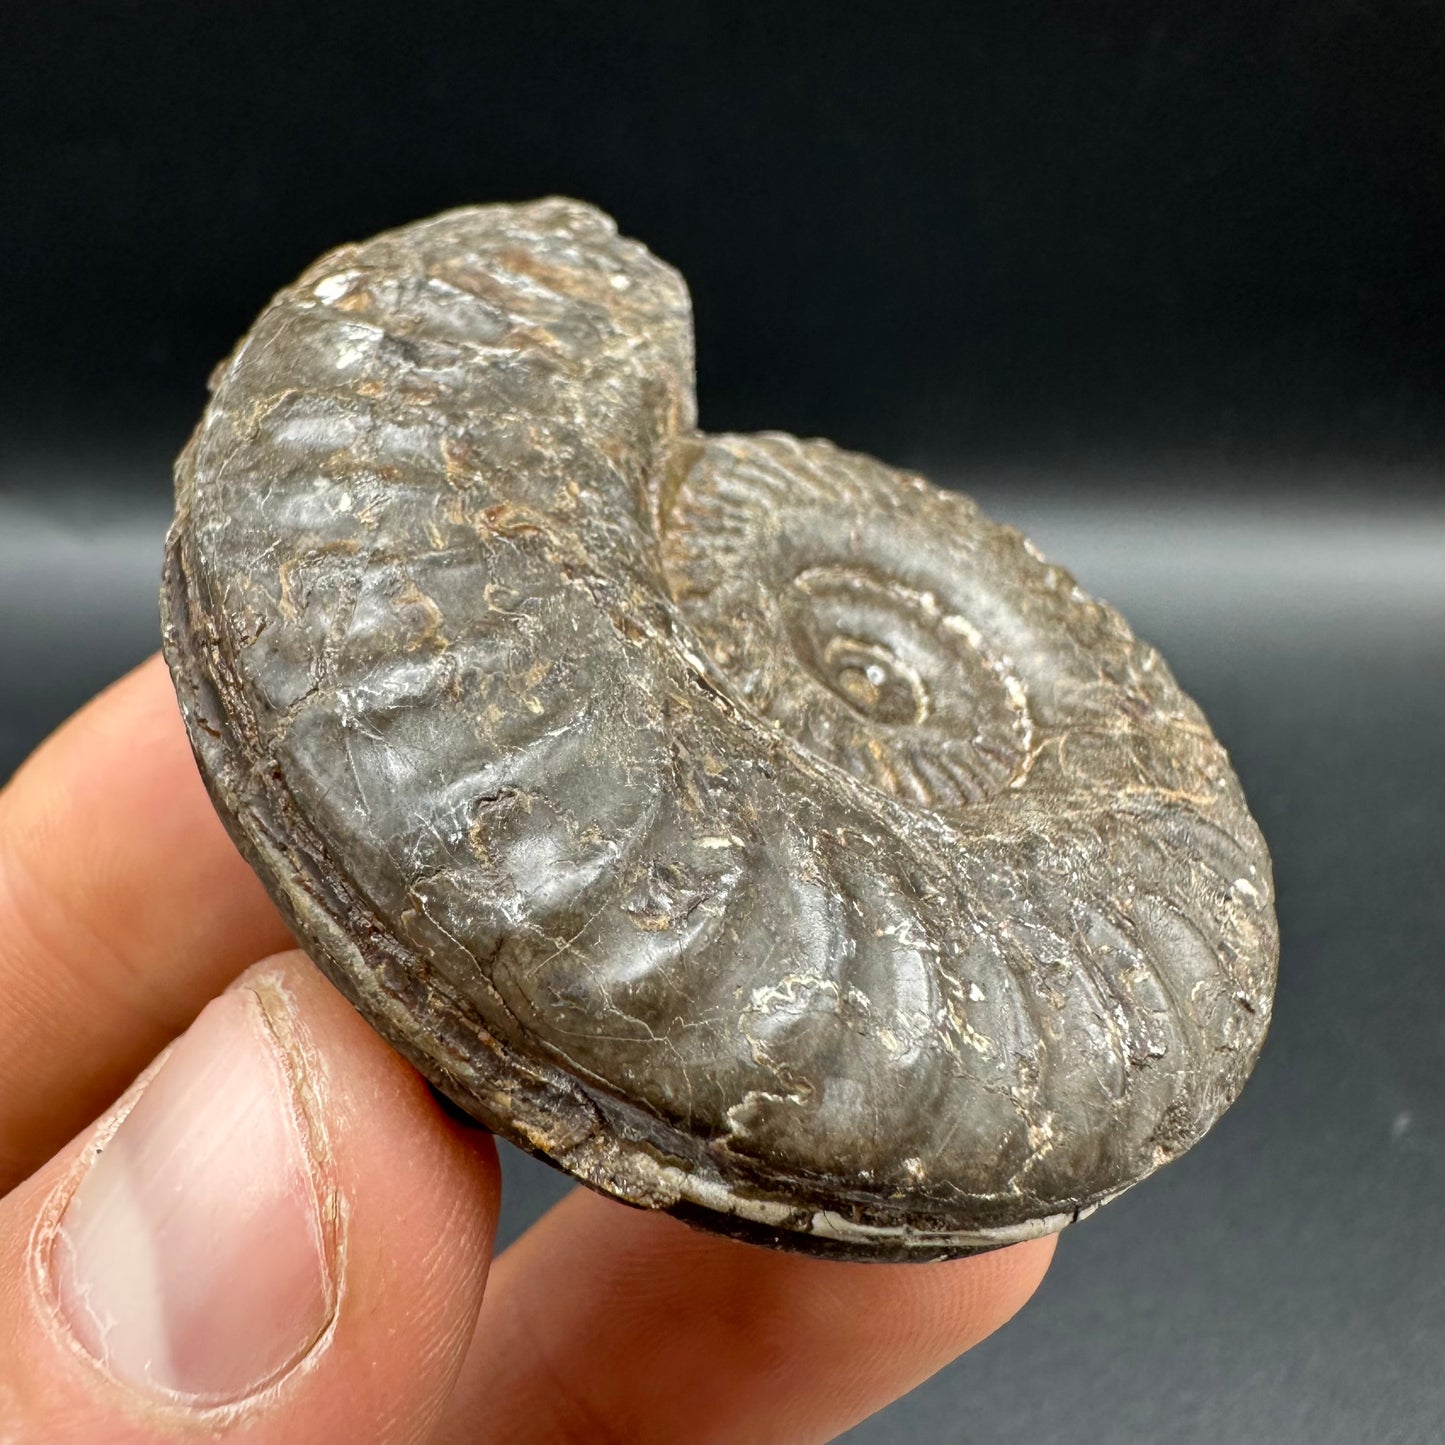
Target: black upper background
x=1045, y=233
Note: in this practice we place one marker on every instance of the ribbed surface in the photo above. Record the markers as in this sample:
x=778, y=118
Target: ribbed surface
x=743, y=781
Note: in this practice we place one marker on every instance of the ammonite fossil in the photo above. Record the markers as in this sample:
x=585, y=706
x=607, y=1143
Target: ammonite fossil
x=753, y=831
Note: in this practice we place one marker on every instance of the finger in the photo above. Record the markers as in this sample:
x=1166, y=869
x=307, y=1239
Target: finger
x=604, y=1323
x=278, y=1237
x=123, y=908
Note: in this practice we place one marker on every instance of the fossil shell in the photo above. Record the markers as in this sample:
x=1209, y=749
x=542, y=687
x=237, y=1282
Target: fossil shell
x=754, y=831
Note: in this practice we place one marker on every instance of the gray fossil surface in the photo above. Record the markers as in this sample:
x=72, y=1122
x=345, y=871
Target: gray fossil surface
x=754, y=831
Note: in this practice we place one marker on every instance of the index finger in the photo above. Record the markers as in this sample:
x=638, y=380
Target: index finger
x=124, y=907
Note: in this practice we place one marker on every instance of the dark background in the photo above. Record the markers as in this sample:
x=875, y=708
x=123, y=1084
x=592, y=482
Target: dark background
x=1164, y=285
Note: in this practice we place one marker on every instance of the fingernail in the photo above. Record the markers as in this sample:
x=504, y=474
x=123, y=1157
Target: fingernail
x=191, y=1260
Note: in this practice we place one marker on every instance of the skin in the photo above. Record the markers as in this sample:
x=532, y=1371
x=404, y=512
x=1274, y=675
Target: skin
x=124, y=909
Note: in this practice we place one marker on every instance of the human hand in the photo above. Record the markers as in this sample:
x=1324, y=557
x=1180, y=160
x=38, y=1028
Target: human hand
x=276, y=1234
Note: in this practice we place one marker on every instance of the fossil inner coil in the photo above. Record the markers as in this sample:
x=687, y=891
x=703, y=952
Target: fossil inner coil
x=799, y=594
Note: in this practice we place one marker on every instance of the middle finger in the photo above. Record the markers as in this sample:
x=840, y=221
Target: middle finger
x=609, y=1323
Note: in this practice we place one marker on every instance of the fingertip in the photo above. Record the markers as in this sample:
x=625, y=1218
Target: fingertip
x=977, y=1295
x=641, y=1315
x=278, y=1228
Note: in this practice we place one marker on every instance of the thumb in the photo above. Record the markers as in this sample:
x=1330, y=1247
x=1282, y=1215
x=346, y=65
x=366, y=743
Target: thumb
x=276, y=1235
